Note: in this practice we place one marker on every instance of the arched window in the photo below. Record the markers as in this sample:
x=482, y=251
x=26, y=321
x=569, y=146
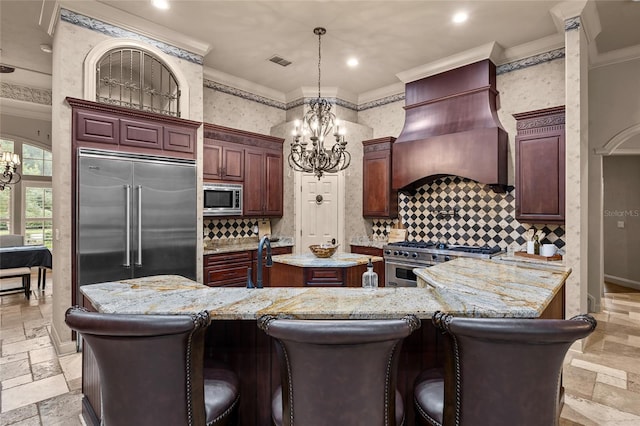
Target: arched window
x=135, y=79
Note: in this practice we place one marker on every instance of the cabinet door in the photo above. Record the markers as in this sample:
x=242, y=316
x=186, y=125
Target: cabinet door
x=376, y=183
x=273, y=182
x=378, y=198
x=254, y=183
x=233, y=162
x=211, y=161
x=540, y=178
x=223, y=161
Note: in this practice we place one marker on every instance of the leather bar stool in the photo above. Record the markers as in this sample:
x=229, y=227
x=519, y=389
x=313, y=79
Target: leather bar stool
x=151, y=369
x=498, y=371
x=338, y=372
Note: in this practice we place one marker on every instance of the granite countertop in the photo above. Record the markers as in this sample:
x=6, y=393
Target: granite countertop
x=485, y=285
x=338, y=260
x=466, y=287
x=242, y=244
x=366, y=242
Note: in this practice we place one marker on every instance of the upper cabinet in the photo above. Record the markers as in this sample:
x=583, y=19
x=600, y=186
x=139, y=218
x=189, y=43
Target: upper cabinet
x=263, y=182
x=379, y=200
x=540, y=166
x=111, y=127
x=222, y=161
x=255, y=159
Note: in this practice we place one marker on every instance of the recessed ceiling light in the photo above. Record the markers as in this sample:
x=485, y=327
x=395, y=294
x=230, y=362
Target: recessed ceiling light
x=352, y=62
x=460, y=17
x=160, y=4
x=46, y=48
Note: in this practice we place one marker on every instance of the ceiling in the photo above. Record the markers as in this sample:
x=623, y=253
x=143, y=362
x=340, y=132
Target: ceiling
x=387, y=37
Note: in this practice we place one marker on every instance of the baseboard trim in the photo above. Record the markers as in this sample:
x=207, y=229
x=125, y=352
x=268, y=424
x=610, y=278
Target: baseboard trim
x=622, y=281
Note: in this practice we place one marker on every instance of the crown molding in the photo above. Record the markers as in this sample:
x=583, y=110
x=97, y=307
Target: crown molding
x=242, y=84
x=24, y=109
x=533, y=48
x=566, y=10
x=490, y=51
x=116, y=17
x=381, y=93
x=616, y=56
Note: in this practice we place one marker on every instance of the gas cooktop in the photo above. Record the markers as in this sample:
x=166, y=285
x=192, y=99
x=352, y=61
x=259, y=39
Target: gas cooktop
x=418, y=250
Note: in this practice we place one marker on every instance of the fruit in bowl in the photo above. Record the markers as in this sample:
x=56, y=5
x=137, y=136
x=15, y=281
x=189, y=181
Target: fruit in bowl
x=323, y=250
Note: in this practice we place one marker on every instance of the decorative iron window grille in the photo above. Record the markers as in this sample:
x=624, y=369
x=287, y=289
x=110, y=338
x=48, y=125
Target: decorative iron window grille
x=133, y=78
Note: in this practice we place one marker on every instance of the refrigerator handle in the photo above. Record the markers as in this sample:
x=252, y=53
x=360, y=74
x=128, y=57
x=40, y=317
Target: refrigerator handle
x=139, y=262
x=127, y=252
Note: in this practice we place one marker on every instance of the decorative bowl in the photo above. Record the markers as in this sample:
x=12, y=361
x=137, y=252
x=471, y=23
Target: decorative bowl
x=322, y=250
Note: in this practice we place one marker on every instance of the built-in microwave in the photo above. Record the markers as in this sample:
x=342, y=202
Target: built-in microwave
x=222, y=199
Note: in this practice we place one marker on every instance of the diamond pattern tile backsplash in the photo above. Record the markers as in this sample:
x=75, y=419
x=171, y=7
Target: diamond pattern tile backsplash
x=460, y=211
x=219, y=229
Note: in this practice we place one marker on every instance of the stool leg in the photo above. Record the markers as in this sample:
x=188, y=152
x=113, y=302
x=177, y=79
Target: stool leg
x=44, y=278
x=39, y=274
x=26, y=283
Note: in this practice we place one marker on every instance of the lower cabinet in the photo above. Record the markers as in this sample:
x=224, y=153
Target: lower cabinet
x=231, y=269
x=372, y=251
x=266, y=272
x=227, y=269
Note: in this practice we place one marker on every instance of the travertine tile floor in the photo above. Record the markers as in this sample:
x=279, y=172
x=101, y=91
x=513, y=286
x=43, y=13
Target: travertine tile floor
x=602, y=384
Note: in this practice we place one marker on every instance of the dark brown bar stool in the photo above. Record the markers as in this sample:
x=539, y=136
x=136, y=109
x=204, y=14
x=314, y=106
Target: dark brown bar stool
x=498, y=371
x=338, y=372
x=151, y=369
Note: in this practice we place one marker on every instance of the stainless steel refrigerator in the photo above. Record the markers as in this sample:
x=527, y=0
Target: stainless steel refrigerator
x=136, y=216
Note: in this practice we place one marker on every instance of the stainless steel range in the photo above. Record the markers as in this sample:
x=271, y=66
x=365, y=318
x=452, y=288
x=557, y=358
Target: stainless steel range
x=402, y=257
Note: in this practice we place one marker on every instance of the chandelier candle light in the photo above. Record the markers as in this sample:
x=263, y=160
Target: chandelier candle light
x=318, y=123
x=10, y=176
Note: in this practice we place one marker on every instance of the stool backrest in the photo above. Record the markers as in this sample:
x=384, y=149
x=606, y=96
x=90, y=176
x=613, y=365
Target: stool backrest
x=338, y=372
x=506, y=371
x=151, y=366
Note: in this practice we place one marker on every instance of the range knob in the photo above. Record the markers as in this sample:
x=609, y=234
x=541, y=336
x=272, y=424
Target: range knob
x=447, y=258
x=395, y=253
x=387, y=252
x=406, y=254
x=414, y=255
x=434, y=257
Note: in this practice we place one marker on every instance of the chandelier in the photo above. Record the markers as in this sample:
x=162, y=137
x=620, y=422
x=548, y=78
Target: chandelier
x=10, y=176
x=318, y=123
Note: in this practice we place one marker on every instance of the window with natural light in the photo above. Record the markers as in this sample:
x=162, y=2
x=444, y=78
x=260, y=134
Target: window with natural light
x=38, y=206
x=35, y=161
x=5, y=196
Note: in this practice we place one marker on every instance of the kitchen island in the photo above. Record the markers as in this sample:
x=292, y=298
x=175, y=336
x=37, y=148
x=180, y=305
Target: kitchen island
x=339, y=270
x=234, y=337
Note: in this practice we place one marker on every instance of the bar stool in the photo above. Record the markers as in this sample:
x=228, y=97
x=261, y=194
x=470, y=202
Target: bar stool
x=151, y=369
x=498, y=371
x=338, y=372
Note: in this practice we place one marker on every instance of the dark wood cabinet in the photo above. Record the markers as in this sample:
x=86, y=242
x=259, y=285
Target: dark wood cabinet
x=540, y=166
x=263, y=183
x=378, y=199
x=231, y=269
x=372, y=251
x=266, y=272
x=222, y=161
x=227, y=269
x=111, y=127
x=252, y=158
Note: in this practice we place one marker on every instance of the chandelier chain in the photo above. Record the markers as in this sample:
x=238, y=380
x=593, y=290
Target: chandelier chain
x=319, y=59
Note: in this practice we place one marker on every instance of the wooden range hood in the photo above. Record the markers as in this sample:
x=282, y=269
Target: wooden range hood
x=452, y=128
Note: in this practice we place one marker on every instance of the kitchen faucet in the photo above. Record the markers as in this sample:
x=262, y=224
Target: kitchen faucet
x=264, y=240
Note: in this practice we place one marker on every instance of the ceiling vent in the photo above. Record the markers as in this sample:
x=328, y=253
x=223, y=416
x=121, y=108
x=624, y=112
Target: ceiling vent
x=279, y=60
